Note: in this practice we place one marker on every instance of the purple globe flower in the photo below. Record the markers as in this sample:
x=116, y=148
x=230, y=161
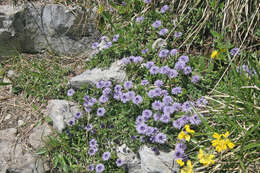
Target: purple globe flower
x=147, y=1
x=107, y=84
x=130, y=95
x=115, y=38
x=234, y=51
x=163, y=53
x=106, y=156
x=149, y=131
x=128, y=85
x=108, y=45
x=151, y=94
x=154, y=70
x=101, y=112
x=141, y=128
x=195, y=120
x=147, y=114
x=138, y=59
x=144, y=82
x=178, y=154
x=161, y=138
x=139, y=120
x=100, y=84
x=77, y=115
x=172, y=73
x=71, y=122
x=187, y=70
x=177, y=34
x=164, y=70
x=180, y=65
x=125, y=61
x=158, y=83
x=156, y=24
x=173, y=52
x=144, y=51
x=92, y=151
x=164, y=8
x=104, y=38
x=167, y=100
x=137, y=100
x=149, y=64
x=167, y=110
x=70, y=92
x=195, y=79
x=117, y=95
x=156, y=116
x=93, y=143
x=139, y=19
x=176, y=106
x=91, y=168
x=103, y=99
x=131, y=58
x=177, y=124
x=106, y=91
x=88, y=127
x=100, y=168
x=119, y=162
x=201, y=102
x=165, y=118
x=157, y=105
x=177, y=90
x=117, y=88
x=95, y=45
x=124, y=98
x=180, y=146
x=184, y=58
x=187, y=106
x=164, y=93
x=163, y=31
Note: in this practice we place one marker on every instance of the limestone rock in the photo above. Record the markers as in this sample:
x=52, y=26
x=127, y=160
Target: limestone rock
x=61, y=112
x=162, y=163
x=159, y=43
x=132, y=163
x=39, y=134
x=90, y=77
x=34, y=27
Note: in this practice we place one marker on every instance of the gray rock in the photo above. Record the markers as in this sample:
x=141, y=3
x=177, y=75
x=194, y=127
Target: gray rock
x=90, y=77
x=38, y=135
x=13, y=157
x=159, y=43
x=132, y=163
x=61, y=112
x=11, y=74
x=162, y=163
x=20, y=123
x=34, y=27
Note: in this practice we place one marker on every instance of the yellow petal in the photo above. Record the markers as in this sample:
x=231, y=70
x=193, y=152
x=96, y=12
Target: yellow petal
x=216, y=136
x=189, y=164
x=181, y=135
x=226, y=134
x=214, y=54
x=180, y=162
x=187, y=137
x=231, y=145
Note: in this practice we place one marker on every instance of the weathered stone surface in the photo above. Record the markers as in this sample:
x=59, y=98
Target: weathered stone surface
x=39, y=134
x=159, y=43
x=90, y=77
x=132, y=163
x=61, y=112
x=32, y=28
x=13, y=157
x=151, y=163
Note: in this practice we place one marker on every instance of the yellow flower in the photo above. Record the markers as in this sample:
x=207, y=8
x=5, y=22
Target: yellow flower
x=188, y=168
x=100, y=9
x=180, y=162
x=205, y=159
x=222, y=142
x=187, y=128
x=214, y=54
x=183, y=135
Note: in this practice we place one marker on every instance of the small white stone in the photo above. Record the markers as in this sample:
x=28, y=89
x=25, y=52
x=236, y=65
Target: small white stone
x=8, y=116
x=20, y=123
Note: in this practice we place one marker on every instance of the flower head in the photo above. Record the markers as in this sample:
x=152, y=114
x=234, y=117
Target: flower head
x=234, y=51
x=188, y=168
x=70, y=92
x=182, y=135
x=205, y=159
x=106, y=156
x=101, y=112
x=100, y=168
x=221, y=142
x=177, y=34
x=163, y=31
x=163, y=53
x=139, y=19
x=214, y=54
x=157, y=24
x=164, y=8
x=195, y=79
x=119, y=162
